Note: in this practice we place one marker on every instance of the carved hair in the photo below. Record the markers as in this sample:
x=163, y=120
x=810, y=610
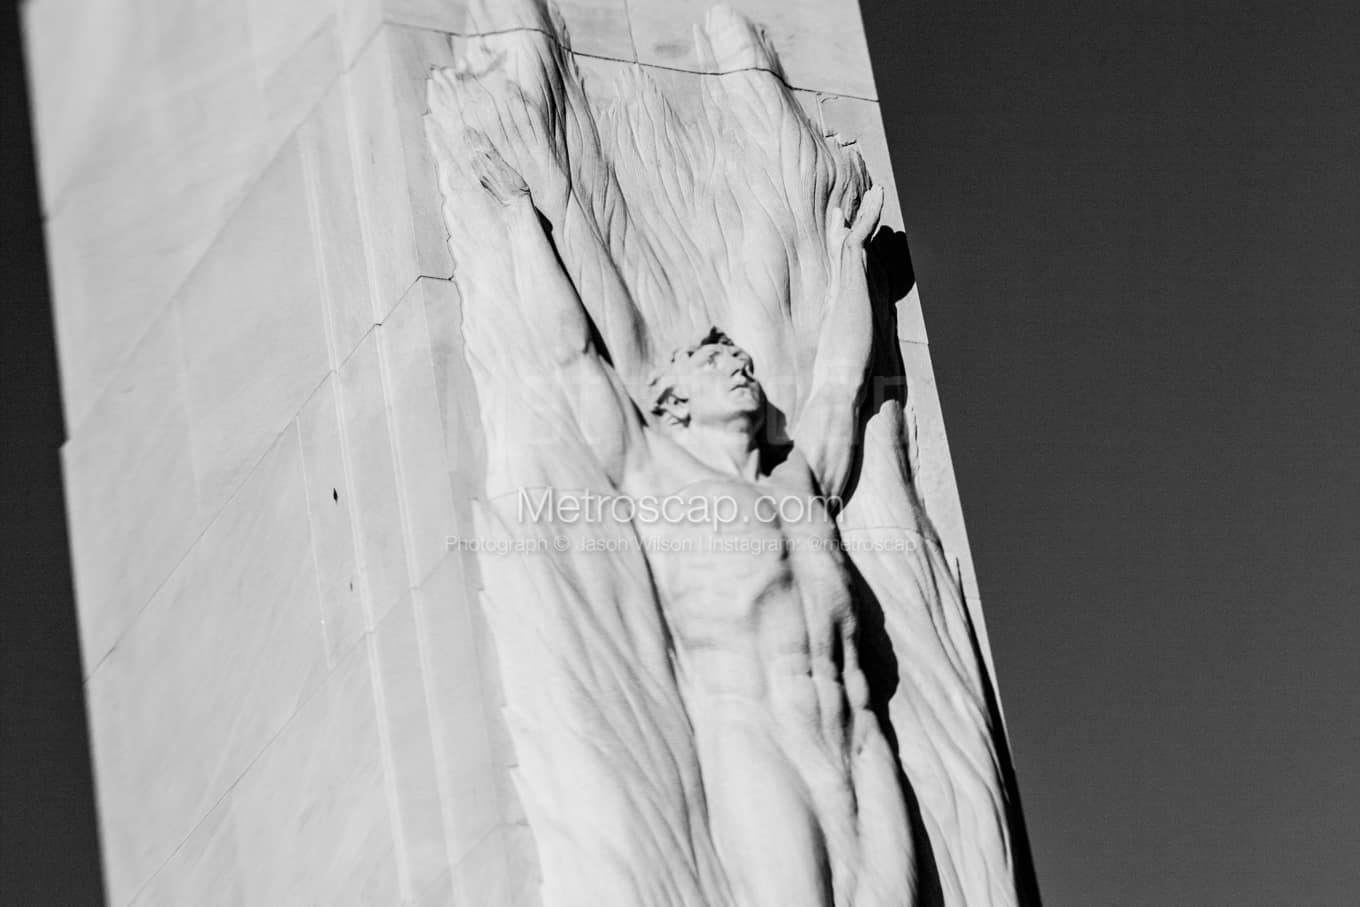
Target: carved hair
x=664, y=381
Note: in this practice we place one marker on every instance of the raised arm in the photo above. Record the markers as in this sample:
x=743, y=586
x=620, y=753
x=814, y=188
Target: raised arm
x=559, y=347
x=825, y=430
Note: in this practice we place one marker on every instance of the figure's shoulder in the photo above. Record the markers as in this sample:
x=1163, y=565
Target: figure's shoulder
x=791, y=471
x=662, y=464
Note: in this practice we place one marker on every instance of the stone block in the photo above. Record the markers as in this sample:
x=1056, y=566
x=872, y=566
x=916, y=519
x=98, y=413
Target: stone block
x=521, y=857
x=330, y=503
x=329, y=166
x=414, y=52
x=493, y=695
x=71, y=107
x=133, y=220
x=448, y=16
x=312, y=817
x=293, y=92
x=400, y=660
x=380, y=172
x=464, y=449
x=911, y=324
x=483, y=876
x=307, y=824
x=296, y=47
x=398, y=196
x=417, y=431
x=253, y=325
x=359, y=21
x=130, y=490
x=208, y=674
x=598, y=28
x=128, y=105
x=821, y=46
x=438, y=894
x=376, y=505
x=459, y=707
x=209, y=860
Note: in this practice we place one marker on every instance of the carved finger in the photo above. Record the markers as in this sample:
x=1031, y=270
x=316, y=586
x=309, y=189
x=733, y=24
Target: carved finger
x=866, y=218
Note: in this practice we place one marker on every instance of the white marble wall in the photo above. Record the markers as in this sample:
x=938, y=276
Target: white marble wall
x=271, y=432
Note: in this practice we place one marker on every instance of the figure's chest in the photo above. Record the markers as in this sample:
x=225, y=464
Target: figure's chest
x=722, y=505
x=733, y=549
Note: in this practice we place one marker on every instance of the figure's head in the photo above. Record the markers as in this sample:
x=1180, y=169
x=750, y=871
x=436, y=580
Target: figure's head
x=710, y=383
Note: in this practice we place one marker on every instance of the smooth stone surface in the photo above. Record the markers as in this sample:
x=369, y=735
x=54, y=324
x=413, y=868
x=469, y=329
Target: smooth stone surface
x=309, y=821
x=498, y=728
x=414, y=52
x=417, y=431
x=380, y=174
x=252, y=321
x=332, y=192
x=297, y=54
x=330, y=504
x=438, y=894
x=449, y=16
x=820, y=45
x=136, y=65
x=312, y=816
x=522, y=865
x=211, y=670
x=359, y=21
x=123, y=239
x=294, y=91
x=131, y=491
x=145, y=147
x=70, y=106
x=911, y=323
x=461, y=711
x=376, y=503
x=464, y=449
x=398, y=198
x=406, y=719
x=483, y=876
x=598, y=28
x=208, y=860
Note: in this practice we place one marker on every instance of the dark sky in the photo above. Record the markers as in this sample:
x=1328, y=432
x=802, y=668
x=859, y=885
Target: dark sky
x=1136, y=227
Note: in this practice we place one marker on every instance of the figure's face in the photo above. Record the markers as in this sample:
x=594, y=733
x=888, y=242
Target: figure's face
x=721, y=387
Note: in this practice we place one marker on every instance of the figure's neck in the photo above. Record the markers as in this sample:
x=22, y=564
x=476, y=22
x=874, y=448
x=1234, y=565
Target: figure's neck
x=727, y=450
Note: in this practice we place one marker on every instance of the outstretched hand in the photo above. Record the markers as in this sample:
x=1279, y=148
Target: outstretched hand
x=851, y=237
x=846, y=242
x=866, y=218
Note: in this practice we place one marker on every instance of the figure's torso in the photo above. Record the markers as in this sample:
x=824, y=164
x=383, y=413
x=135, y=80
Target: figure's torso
x=757, y=595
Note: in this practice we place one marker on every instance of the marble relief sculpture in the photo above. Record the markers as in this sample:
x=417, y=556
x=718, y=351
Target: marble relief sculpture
x=737, y=668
